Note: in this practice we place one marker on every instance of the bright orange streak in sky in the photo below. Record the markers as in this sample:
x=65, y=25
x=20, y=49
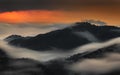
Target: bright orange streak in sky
x=31, y=16
x=45, y=16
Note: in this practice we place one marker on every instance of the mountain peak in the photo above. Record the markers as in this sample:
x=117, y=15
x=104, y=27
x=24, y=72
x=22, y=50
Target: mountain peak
x=83, y=23
x=13, y=37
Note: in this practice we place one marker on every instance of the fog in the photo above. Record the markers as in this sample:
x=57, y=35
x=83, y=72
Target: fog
x=27, y=29
x=98, y=66
x=17, y=52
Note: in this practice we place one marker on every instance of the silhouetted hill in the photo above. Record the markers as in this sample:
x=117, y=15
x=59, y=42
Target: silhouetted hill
x=100, y=53
x=68, y=38
x=13, y=37
x=26, y=66
x=3, y=55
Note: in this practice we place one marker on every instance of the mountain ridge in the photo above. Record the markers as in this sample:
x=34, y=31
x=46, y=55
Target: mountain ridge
x=65, y=39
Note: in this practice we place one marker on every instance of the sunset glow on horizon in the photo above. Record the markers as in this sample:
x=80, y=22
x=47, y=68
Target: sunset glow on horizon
x=59, y=11
x=46, y=16
x=30, y=16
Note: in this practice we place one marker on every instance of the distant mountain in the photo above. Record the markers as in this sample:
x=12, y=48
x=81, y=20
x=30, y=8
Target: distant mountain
x=14, y=37
x=66, y=39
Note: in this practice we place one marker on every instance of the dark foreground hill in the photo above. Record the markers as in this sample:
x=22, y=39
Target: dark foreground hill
x=25, y=66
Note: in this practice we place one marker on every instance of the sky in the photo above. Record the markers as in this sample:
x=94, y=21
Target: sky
x=59, y=11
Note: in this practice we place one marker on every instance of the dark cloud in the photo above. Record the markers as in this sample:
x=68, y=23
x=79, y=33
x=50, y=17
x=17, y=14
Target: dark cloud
x=13, y=5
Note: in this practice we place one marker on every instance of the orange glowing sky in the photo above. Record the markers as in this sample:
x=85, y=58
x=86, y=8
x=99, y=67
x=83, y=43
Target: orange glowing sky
x=30, y=16
x=46, y=16
x=59, y=11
